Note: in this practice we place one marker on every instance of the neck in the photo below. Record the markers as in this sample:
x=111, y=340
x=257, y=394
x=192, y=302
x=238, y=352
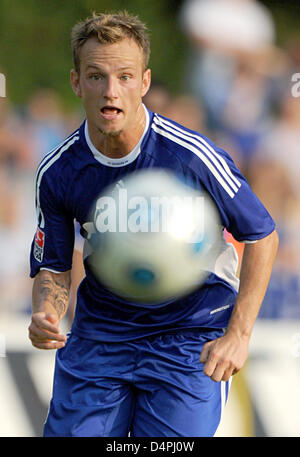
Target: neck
x=122, y=143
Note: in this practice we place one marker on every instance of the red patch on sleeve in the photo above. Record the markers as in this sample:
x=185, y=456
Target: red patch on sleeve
x=39, y=241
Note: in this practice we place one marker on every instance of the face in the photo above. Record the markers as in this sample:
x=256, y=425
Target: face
x=111, y=84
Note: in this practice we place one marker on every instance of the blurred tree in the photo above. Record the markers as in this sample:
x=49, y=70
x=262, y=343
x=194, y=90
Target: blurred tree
x=286, y=15
x=35, y=42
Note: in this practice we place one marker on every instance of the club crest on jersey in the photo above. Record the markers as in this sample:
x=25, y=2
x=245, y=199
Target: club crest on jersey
x=39, y=241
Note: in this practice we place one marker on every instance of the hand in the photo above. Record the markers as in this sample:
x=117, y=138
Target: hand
x=224, y=356
x=44, y=331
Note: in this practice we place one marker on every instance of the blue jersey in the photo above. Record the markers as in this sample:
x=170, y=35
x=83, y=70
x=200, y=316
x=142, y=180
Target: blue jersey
x=71, y=177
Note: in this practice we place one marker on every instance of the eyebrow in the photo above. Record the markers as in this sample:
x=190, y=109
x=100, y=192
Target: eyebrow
x=95, y=67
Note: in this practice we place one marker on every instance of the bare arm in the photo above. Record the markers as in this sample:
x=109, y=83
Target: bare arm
x=225, y=356
x=77, y=275
x=50, y=298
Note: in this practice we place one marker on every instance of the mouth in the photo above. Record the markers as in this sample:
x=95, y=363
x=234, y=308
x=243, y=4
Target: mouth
x=110, y=112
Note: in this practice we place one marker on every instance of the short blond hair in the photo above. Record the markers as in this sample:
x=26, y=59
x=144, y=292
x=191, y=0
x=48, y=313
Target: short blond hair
x=110, y=28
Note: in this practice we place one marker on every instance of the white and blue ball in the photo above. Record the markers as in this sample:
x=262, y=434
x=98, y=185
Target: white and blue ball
x=155, y=238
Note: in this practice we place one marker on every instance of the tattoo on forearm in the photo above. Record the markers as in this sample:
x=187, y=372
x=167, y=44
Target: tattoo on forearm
x=57, y=293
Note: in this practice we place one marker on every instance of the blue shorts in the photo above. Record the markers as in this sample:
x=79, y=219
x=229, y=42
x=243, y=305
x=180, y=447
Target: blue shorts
x=151, y=387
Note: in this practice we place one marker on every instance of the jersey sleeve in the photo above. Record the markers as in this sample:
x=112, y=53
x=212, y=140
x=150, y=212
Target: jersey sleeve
x=241, y=211
x=53, y=242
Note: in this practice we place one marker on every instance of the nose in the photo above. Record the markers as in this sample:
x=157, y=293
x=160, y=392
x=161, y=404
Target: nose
x=110, y=89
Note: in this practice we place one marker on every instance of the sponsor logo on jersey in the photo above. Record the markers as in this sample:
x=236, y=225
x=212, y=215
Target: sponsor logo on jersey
x=39, y=241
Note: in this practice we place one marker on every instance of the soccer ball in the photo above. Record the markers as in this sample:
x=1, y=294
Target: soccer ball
x=155, y=237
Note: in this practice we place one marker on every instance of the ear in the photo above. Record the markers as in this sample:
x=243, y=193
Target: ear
x=146, y=81
x=75, y=82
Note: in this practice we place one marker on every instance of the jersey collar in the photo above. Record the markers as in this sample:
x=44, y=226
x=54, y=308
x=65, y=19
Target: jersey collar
x=122, y=161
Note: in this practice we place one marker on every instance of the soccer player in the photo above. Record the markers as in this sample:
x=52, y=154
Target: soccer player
x=151, y=370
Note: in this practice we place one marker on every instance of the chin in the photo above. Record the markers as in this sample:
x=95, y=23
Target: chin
x=110, y=133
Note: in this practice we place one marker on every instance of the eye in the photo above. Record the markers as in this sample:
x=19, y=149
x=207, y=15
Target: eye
x=95, y=76
x=125, y=77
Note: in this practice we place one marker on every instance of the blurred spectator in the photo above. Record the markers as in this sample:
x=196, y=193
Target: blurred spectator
x=14, y=224
x=274, y=176
x=185, y=110
x=281, y=144
x=14, y=146
x=158, y=98
x=23, y=142
x=16, y=229
x=222, y=33
x=234, y=68
x=292, y=49
x=250, y=106
x=45, y=122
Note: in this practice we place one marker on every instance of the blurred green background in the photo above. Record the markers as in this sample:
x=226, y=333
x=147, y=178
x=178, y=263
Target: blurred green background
x=35, y=40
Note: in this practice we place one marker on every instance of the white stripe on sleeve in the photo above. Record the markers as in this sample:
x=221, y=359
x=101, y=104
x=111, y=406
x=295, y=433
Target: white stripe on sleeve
x=201, y=156
x=43, y=169
x=204, y=151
